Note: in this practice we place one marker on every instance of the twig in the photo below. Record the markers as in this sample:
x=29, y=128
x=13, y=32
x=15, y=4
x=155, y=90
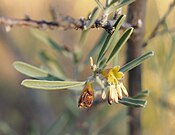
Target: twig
x=172, y=30
x=64, y=22
x=162, y=20
x=167, y=104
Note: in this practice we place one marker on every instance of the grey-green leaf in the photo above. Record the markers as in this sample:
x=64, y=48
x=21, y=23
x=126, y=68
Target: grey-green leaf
x=120, y=43
x=132, y=64
x=83, y=38
x=52, y=64
x=142, y=94
x=93, y=18
x=96, y=47
x=111, y=39
x=48, y=41
x=113, y=8
x=33, y=71
x=50, y=85
x=133, y=102
x=113, y=2
x=57, y=127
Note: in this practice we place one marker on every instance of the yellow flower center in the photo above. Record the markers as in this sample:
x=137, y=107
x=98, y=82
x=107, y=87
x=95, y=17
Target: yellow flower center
x=112, y=75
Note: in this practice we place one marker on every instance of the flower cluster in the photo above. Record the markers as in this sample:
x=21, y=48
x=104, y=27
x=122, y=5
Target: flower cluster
x=112, y=90
x=115, y=87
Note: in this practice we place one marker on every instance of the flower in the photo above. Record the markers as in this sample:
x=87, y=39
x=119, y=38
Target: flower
x=115, y=86
x=87, y=96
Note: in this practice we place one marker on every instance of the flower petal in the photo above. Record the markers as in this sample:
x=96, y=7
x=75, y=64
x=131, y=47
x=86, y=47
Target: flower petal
x=116, y=97
x=103, y=95
x=106, y=72
x=123, y=89
x=111, y=93
x=116, y=68
x=119, y=75
x=119, y=91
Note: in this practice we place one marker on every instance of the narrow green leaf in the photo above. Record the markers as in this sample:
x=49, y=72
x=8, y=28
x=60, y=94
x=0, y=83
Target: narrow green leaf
x=113, y=2
x=120, y=43
x=132, y=64
x=142, y=94
x=93, y=18
x=5, y=129
x=103, y=49
x=53, y=64
x=108, y=2
x=33, y=71
x=58, y=125
x=50, y=85
x=105, y=127
x=83, y=37
x=111, y=39
x=96, y=47
x=48, y=41
x=113, y=8
x=72, y=106
x=99, y=4
x=133, y=102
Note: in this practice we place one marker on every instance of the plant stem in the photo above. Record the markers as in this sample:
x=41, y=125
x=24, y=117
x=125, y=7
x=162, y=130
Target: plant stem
x=136, y=11
x=155, y=32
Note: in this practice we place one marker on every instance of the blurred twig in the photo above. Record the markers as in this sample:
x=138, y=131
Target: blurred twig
x=62, y=22
x=172, y=30
x=161, y=21
x=167, y=104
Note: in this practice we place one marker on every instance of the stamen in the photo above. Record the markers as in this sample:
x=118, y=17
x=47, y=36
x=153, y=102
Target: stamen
x=123, y=89
x=119, y=91
x=93, y=66
x=103, y=95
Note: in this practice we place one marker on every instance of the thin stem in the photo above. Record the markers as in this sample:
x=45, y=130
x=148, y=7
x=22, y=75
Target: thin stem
x=161, y=21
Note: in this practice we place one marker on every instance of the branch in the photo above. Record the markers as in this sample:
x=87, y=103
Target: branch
x=162, y=20
x=167, y=104
x=172, y=30
x=64, y=22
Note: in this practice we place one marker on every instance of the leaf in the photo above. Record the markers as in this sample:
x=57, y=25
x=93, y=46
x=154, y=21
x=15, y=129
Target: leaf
x=99, y=4
x=6, y=129
x=94, y=16
x=71, y=106
x=105, y=127
x=108, y=2
x=96, y=47
x=33, y=71
x=53, y=64
x=142, y=94
x=120, y=43
x=48, y=41
x=132, y=64
x=111, y=39
x=103, y=49
x=60, y=123
x=113, y=2
x=113, y=8
x=83, y=37
x=50, y=85
x=133, y=102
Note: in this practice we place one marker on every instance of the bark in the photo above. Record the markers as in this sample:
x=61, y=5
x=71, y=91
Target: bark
x=136, y=11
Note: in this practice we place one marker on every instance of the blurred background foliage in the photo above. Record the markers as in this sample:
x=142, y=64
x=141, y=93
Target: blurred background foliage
x=32, y=112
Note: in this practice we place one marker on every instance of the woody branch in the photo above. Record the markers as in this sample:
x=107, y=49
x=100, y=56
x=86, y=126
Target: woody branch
x=64, y=23
x=155, y=31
